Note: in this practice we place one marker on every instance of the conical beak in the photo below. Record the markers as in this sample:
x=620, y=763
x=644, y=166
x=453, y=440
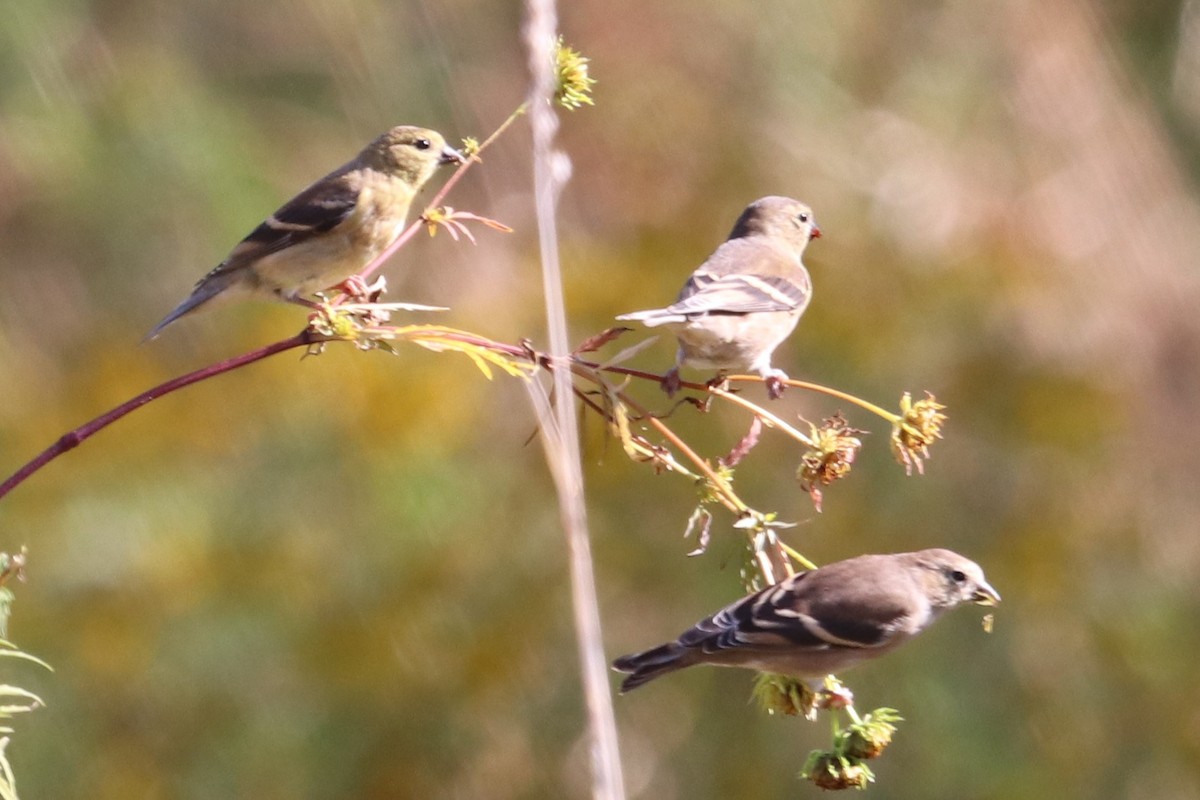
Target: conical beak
x=451, y=156
x=985, y=595
x=816, y=233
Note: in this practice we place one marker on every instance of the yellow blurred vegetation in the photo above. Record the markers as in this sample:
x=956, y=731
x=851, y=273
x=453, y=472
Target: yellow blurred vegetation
x=343, y=577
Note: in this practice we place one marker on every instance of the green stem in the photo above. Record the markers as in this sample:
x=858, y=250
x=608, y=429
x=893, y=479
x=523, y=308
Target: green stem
x=762, y=414
x=513, y=117
x=725, y=493
x=816, y=387
x=796, y=556
x=668, y=460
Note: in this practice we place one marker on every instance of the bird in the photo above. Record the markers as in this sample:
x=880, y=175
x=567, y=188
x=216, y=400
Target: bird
x=331, y=230
x=746, y=298
x=824, y=620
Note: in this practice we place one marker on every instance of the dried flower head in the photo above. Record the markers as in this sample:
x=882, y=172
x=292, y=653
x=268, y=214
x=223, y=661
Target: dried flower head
x=919, y=424
x=708, y=491
x=781, y=694
x=573, y=87
x=835, y=772
x=870, y=736
x=829, y=458
x=336, y=323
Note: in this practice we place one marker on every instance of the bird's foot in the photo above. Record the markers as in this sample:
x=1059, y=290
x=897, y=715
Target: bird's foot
x=357, y=289
x=377, y=289
x=671, y=382
x=300, y=301
x=718, y=381
x=774, y=380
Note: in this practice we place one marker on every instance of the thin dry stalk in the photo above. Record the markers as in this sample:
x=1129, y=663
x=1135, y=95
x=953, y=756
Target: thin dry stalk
x=556, y=416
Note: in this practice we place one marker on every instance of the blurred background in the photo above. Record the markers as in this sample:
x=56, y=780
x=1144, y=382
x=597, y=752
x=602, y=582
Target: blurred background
x=343, y=576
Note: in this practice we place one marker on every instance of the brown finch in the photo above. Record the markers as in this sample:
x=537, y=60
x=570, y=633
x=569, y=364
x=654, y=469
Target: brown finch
x=745, y=299
x=824, y=620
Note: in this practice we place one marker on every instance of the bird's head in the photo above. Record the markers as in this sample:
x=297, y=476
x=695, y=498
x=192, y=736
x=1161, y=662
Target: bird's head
x=412, y=153
x=782, y=217
x=952, y=579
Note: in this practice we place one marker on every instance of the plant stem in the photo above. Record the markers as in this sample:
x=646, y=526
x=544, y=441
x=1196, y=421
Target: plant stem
x=556, y=416
x=513, y=117
x=816, y=387
x=72, y=439
x=440, y=195
x=763, y=414
x=666, y=459
x=797, y=556
x=724, y=491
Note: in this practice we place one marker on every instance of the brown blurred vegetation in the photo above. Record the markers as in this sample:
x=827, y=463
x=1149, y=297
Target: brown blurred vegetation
x=342, y=577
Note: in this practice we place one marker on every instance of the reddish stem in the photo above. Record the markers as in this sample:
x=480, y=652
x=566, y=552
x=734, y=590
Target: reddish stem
x=637, y=373
x=412, y=229
x=72, y=439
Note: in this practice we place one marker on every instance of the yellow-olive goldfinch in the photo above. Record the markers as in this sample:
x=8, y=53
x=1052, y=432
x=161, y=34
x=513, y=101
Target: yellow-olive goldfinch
x=334, y=228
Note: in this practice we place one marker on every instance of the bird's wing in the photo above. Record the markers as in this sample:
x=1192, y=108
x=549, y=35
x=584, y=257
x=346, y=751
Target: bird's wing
x=752, y=623
x=706, y=293
x=863, y=609
x=746, y=275
x=318, y=209
x=800, y=613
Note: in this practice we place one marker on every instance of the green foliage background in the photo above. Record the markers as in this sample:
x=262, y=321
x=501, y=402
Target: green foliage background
x=343, y=577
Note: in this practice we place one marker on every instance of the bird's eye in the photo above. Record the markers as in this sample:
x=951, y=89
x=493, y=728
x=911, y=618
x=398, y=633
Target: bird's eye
x=958, y=576
x=803, y=217
x=422, y=144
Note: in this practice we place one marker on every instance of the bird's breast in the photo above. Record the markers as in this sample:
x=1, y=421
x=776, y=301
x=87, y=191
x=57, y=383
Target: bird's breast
x=326, y=260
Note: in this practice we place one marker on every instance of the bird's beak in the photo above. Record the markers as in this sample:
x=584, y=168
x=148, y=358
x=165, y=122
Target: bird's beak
x=451, y=156
x=816, y=233
x=985, y=595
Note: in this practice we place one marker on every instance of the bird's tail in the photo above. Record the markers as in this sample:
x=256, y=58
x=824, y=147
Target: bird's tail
x=206, y=290
x=650, y=664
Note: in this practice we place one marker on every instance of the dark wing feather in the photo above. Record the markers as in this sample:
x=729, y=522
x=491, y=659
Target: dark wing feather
x=811, y=610
x=861, y=605
x=753, y=623
x=870, y=623
x=318, y=209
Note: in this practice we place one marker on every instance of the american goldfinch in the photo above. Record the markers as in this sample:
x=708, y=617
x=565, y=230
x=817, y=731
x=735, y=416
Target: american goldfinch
x=745, y=299
x=332, y=229
x=825, y=620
